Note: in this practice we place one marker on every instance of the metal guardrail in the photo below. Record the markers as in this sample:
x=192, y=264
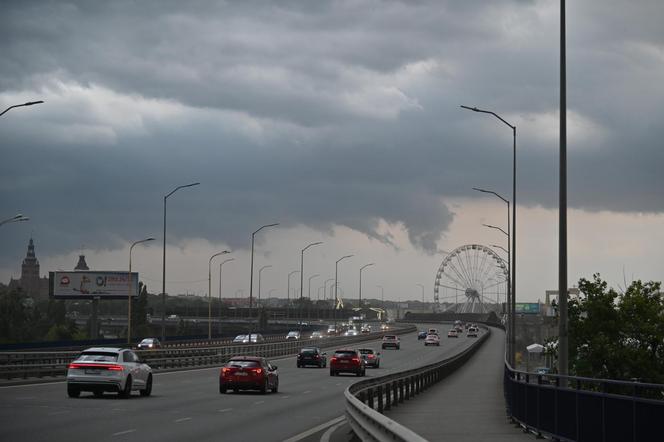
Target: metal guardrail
x=587, y=409
x=25, y=365
x=367, y=399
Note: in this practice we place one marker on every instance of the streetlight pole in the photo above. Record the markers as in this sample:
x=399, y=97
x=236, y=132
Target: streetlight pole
x=422, y=287
x=563, y=337
x=382, y=298
x=302, y=278
x=29, y=103
x=325, y=289
x=336, y=287
x=251, y=272
x=310, y=278
x=288, y=292
x=163, y=272
x=509, y=263
x=130, y=287
x=260, y=271
x=513, y=266
x=221, y=265
x=15, y=219
x=360, y=291
x=210, y=291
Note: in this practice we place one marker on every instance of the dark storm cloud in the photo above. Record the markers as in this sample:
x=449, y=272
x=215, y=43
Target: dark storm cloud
x=322, y=114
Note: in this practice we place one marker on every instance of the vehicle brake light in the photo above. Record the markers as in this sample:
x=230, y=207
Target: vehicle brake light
x=257, y=371
x=333, y=360
x=356, y=360
x=371, y=356
x=317, y=357
x=79, y=365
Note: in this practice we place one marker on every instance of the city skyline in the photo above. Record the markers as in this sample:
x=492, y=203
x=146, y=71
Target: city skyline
x=348, y=132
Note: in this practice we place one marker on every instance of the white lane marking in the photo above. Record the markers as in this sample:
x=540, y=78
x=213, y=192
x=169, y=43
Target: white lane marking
x=285, y=397
x=259, y=402
x=326, y=436
x=315, y=429
x=177, y=421
x=306, y=392
x=224, y=410
x=55, y=413
x=120, y=433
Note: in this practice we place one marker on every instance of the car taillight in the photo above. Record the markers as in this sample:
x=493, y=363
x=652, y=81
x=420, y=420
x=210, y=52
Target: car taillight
x=317, y=357
x=257, y=371
x=357, y=360
x=371, y=356
x=79, y=366
x=333, y=360
x=225, y=371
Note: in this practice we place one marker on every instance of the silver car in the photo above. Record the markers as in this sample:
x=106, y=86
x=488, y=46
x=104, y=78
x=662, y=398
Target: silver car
x=108, y=369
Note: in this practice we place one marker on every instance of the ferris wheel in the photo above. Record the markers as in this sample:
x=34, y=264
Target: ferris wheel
x=475, y=274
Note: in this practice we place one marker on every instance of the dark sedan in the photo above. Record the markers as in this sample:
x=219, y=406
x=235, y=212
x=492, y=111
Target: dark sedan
x=311, y=356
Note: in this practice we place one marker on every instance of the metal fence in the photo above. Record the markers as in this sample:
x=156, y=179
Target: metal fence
x=367, y=399
x=30, y=365
x=586, y=409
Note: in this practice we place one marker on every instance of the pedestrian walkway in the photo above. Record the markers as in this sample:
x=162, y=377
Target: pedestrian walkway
x=468, y=405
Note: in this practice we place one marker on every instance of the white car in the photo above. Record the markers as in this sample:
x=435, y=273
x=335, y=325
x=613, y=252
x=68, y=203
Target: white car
x=472, y=332
x=432, y=339
x=244, y=339
x=293, y=335
x=108, y=369
x=351, y=332
x=453, y=333
x=316, y=335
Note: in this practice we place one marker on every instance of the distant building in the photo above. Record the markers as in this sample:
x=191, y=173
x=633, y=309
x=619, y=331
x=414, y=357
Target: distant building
x=30, y=282
x=82, y=265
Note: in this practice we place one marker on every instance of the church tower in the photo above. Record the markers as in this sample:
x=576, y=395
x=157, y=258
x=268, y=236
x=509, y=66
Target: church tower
x=30, y=272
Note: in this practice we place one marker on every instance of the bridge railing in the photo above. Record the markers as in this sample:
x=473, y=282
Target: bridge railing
x=584, y=409
x=367, y=399
x=25, y=365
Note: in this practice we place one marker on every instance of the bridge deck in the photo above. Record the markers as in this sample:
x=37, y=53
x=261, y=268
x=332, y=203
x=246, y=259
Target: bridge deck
x=467, y=406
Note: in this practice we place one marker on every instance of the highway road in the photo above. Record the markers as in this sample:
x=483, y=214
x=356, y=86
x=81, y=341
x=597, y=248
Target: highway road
x=187, y=405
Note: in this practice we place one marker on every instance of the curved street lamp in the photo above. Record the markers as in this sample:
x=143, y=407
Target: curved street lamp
x=288, y=292
x=336, y=287
x=130, y=287
x=163, y=273
x=513, y=265
x=310, y=278
x=15, y=219
x=210, y=291
x=260, y=271
x=221, y=265
x=251, y=273
x=29, y=103
x=360, y=291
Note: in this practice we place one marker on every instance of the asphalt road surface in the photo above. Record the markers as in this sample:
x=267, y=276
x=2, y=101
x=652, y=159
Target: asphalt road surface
x=187, y=405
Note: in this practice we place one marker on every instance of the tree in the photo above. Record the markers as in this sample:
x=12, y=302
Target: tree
x=617, y=336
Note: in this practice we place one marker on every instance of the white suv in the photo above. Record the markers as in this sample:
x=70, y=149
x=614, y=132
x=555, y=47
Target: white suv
x=108, y=369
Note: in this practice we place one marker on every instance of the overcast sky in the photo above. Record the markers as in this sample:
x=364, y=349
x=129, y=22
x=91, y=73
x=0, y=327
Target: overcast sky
x=340, y=120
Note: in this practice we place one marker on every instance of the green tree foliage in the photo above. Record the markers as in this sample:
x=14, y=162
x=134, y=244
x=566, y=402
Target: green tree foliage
x=16, y=316
x=617, y=336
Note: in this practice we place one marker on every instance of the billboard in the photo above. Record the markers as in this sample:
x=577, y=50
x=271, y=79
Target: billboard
x=527, y=308
x=92, y=285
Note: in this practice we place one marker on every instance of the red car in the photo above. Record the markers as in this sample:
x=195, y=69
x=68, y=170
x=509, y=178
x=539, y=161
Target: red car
x=248, y=373
x=347, y=361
